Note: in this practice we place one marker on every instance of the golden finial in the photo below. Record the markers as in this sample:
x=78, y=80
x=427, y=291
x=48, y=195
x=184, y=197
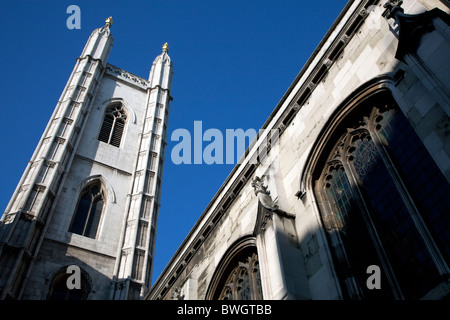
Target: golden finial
x=109, y=21
x=166, y=47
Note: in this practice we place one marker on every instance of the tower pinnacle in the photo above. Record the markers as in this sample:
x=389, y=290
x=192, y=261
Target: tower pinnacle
x=161, y=71
x=109, y=21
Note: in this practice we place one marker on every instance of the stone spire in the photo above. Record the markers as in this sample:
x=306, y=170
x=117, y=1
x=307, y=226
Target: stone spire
x=161, y=72
x=100, y=43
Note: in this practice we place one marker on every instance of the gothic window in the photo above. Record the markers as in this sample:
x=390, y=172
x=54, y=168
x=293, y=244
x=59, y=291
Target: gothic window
x=89, y=211
x=113, y=125
x=237, y=276
x=243, y=282
x=384, y=202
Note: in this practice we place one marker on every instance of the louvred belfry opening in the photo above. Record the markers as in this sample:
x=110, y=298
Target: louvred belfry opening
x=113, y=125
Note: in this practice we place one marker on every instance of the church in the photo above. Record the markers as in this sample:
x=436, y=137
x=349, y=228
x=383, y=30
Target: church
x=343, y=195
x=90, y=194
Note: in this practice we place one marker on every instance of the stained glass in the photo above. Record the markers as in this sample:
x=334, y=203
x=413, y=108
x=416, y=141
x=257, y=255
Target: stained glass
x=360, y=250
x=244, y=282
x=371, y=198
x=366, y=156
x=398, y=234
x=339, y=191
x=428, y=186
x=243, y=292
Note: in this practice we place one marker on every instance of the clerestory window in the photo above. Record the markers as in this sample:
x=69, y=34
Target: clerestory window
x=113, y=125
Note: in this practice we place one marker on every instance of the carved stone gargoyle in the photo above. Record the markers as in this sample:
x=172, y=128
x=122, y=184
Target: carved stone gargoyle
x=266, y=207
x=263, y=195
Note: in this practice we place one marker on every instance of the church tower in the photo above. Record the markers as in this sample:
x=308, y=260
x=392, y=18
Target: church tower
x=84, y=213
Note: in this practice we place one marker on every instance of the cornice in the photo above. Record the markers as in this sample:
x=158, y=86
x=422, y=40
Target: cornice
x=126, y=76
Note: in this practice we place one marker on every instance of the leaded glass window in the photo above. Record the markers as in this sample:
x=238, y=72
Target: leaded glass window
x=338, y=189
x=383, y=196
x=424, y=179
x=352, y=242
x=243, y=282
x=398, y=234
x=89, y=210
x=113, y=125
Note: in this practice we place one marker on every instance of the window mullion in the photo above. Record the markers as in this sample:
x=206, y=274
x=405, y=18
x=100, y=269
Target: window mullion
x=234, y=287
x=112, y=130
x=252, y=272
x=355, y=185
x=337, y=242
x=88, y=216
x=410, y=205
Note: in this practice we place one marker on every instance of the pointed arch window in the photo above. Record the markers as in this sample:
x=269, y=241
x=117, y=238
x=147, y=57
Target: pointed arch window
x=89, y=211
x=237, y=276
x=113, y=125
x=384, y=202
x=243, y=282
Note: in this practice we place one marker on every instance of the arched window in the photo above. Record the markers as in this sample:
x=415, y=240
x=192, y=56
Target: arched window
x=113, y=125
x=59, y=290
x=237, y=276
x=89, y=210
x=243, y=282
x=384, y=202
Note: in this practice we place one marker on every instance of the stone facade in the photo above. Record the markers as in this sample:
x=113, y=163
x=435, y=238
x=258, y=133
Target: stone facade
x=38, y=240
x=351, y=172
x=377, y=53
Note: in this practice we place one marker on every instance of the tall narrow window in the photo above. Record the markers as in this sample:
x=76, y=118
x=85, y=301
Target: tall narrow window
x=113, y=125
x=89, y=210
x=384, y=201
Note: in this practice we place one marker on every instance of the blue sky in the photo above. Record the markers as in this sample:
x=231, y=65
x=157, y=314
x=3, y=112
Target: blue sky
x=233, y=61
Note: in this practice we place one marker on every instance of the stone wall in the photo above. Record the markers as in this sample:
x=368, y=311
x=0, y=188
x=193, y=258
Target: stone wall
x=359, y=50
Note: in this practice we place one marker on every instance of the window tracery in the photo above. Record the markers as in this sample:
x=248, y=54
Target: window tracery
x=113, y=125
x=244, y=282
x=377, y=213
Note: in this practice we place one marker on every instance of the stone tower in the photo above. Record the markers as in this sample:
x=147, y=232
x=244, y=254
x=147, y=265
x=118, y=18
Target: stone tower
x=86, y=207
